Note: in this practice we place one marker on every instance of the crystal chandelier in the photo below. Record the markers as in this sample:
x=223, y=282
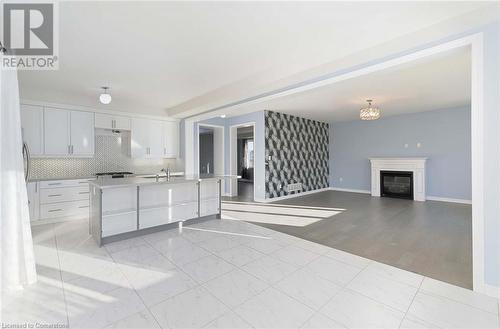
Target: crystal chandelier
x=369, y=113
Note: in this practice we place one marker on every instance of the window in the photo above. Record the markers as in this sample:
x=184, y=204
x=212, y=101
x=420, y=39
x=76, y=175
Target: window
x=248, y=153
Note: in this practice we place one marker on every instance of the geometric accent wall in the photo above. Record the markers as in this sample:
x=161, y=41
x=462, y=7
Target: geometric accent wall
x=298, y=151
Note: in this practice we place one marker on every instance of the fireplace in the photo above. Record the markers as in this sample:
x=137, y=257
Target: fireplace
x=396, y=184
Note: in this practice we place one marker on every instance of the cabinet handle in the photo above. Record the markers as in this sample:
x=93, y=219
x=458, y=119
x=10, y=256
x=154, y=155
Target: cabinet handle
x=72, y=149
x=83, y=206
x=54, y=184
x=164, y=151
x=51, y=195
x=83, y=192
x=69, y=149
x=54, y=210
x=113, y=124
x=82, y=182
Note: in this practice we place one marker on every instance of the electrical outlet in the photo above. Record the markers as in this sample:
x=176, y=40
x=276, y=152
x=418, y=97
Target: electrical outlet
x=294, y=187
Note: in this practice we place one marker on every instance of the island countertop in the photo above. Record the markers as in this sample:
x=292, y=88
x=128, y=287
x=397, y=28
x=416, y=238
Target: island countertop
x=103, y=183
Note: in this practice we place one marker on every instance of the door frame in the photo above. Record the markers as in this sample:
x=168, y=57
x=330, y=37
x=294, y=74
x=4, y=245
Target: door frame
x=219, y=147
x=233, y=156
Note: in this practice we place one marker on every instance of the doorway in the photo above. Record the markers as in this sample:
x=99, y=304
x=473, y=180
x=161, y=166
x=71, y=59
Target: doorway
x=242, y=149
x=210, y=150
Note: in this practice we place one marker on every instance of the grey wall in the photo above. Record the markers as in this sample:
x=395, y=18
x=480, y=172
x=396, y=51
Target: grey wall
x=296, y=152
x=445, y=139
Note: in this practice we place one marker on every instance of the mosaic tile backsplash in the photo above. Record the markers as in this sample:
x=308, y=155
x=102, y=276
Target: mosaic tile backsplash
x=112, y=153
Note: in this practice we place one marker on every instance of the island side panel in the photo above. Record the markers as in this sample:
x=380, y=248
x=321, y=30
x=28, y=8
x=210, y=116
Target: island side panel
x=209, y=197
x=95, y=214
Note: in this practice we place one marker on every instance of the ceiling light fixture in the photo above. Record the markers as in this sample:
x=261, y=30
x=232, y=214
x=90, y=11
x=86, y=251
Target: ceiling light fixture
x=369, y=113
x=105, y=97
x=222, y=116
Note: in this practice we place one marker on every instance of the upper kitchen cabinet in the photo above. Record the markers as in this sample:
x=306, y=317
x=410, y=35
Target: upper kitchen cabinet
x=82, y=133
x=56, y=132
x=170, y=139
x=32, y=128
x=68, y=133
x=106, y=121
x=147, y=139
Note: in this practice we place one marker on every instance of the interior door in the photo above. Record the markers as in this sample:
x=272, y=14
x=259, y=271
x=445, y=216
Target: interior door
x=56, y=131
x=82, y=133
x=32, y=128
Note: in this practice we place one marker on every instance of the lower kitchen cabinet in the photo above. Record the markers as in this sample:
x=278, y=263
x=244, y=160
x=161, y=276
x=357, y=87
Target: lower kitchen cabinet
x=58, y=200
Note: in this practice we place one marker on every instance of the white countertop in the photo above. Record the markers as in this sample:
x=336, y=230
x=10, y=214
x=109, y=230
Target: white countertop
x=104, y=183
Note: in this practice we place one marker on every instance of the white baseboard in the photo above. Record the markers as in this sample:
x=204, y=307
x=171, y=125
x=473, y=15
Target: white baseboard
x=429, y=197
x=492, y=291
x=292, y=195
x=349, y=190
x=437, y=198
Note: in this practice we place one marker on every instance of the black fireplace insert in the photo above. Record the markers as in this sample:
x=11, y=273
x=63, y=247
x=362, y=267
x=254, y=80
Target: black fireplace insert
x=396, y=184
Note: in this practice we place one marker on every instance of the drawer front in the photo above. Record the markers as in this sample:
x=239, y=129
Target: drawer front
x=53, y=195
x=119, y=223
x=65, y=183
x=65, y=209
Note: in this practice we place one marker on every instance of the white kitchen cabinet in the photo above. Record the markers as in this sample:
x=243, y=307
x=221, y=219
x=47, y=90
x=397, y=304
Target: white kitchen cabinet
x=139, y=138
x=33, y=200
x=170, y=139
x=68, y=133
x=32, y=128
x=82, y=133
x=56, y=132
x=106, y=121
x=156, y=148
x=147, y=138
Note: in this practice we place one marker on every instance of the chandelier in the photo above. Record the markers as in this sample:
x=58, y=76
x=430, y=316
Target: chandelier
x=369, y=113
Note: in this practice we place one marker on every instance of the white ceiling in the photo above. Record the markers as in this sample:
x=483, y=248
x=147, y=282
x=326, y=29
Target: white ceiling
x=157, y=55
x=437, y=82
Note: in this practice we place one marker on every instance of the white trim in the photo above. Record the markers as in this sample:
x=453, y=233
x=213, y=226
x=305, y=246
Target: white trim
x=97, y=110
x=233, y=157
x=219, y=145
x=432, y=198
x=415, y=165
x=441, y=199
x=492, y=291
x=292, y=195
x=341, y=189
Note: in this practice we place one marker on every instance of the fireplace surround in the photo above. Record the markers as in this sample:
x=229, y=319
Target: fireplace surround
x=415, y=166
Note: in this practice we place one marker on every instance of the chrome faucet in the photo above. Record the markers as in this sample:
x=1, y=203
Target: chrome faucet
x=167, y=172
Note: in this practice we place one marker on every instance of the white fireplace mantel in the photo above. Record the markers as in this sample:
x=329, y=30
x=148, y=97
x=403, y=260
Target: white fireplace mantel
x=415, y=165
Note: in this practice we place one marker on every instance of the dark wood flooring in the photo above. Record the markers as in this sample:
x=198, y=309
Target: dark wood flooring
x=430, y=238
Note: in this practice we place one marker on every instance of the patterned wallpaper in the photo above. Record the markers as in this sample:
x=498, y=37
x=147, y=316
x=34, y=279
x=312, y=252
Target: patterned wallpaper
x=298, y=149
x=112, y=153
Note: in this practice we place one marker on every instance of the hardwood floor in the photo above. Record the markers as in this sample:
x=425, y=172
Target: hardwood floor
x=430, y=238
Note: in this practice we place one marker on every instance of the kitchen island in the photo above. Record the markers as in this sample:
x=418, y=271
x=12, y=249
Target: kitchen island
x=121, y=208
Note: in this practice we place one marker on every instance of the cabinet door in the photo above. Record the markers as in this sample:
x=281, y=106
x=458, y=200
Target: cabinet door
x=139, y=138
x=170, y=139
x=33, y=200
x=103, y=121
x=32, y=128
x=56, y=131
x=121, y=122
x=82, y=133
x=155, y=139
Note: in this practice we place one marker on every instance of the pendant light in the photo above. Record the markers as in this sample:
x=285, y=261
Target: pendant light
x=105, y=97
x=370, y=112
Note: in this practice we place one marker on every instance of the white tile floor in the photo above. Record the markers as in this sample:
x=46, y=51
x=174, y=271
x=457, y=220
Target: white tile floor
x=229, y=274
